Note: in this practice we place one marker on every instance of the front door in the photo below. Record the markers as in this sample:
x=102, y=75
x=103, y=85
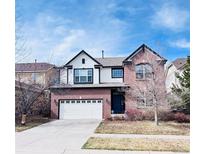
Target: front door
x=118, y=104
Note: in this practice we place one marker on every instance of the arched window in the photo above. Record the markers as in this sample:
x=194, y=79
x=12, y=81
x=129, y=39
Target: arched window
x=143, y=71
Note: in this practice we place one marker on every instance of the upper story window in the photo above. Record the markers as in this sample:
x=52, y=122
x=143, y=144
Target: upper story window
x=143, y=71
x=83, y=61
x=117, y=73
x=83, y=75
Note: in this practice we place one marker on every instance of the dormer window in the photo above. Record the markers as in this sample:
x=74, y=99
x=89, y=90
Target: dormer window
x=83, y=61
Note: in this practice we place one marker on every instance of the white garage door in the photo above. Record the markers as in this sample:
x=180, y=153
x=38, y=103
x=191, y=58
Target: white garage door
x=80, y=109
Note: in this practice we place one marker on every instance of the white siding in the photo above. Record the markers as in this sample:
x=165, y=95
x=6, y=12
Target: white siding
x=96, y=76
x=171, y=78
x=89, y=63
x=106, y=76
x=70, y=76
x=63, y=76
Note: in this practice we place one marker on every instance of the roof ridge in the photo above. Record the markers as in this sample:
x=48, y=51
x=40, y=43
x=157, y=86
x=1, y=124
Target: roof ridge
x=112, y=57
x=36, y=63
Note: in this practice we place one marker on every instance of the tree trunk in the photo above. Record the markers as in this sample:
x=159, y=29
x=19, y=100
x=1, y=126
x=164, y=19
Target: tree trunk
x=23, y=119
x=156, y=114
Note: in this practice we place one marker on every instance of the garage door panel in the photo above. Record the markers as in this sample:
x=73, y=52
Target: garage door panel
x=80, y=109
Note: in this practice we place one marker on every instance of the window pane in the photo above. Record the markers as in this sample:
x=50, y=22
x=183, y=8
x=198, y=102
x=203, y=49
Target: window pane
x=76, y=78
x=143, y=71
x=139, y=68
x=139, y=75
x=141, y=102
x=148, y=71
x=90, y=72
x=89, y=78
x=148, y=68
x=77, y=72
x=83, y=72
x=83, y=76
x=117, y=73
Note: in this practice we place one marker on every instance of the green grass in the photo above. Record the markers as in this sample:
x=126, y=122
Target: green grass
x=134, y=144
x=143, y=127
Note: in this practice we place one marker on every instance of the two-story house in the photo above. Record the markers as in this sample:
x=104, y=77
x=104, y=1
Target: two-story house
x=96, y=88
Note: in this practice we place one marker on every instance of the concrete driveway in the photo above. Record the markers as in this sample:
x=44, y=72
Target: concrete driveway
x=57, y=137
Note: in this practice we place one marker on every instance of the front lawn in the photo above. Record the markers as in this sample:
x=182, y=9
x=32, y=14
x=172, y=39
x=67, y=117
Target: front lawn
x=137, y=144
x=143, y=127
x=31, y=122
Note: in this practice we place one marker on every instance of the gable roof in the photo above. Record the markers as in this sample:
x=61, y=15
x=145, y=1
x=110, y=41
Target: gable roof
x=179, y=62
x=111, y=61
x=142, y=47
x=84, y=53
x=31, y=67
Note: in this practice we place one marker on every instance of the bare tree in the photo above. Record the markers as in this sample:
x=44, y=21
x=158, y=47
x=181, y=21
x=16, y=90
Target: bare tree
x=29, y=94
x=150, y=91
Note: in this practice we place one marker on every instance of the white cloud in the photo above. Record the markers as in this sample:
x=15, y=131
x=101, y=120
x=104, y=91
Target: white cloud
x=181, y=43
x=56, y=40
x=170, y=17
x=68, y=41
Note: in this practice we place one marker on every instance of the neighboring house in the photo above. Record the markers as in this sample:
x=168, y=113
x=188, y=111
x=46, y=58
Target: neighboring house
x=177, y=66
x=96, y=88
x=36, y=73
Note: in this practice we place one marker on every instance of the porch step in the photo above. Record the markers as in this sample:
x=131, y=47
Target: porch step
x=118, y=116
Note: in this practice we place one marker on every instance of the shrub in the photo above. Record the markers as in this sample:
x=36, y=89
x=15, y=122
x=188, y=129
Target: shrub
x=163, y=115
x=148, y=115
x=181, y=117
x=134, y=114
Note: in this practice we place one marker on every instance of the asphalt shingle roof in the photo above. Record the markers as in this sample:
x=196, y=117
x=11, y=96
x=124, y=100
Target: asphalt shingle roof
x=179, y=62
x=111, y=61
x=30, y=67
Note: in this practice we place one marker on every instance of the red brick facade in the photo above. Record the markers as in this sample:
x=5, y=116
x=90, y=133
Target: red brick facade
x=104, y=94
x=130, y=76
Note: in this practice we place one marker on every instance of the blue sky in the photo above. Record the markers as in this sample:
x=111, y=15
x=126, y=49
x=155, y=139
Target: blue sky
x=56, y=30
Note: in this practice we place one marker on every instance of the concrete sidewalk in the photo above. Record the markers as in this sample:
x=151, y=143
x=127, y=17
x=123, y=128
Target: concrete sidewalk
x=117, y=152
x=141, y=136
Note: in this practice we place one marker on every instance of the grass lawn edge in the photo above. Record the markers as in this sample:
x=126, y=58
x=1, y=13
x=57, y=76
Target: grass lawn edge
x=86, y=146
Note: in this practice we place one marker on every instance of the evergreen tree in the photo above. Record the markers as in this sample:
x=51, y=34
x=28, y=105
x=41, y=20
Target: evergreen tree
x=182, y=91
